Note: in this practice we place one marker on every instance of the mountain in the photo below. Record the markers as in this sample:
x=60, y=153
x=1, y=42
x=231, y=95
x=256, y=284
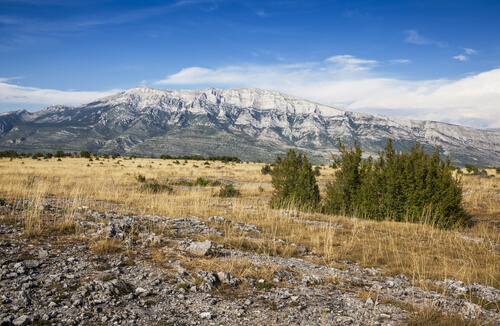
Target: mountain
x=252, y=124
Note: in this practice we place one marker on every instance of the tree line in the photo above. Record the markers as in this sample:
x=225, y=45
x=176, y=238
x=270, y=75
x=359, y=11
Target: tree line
x=89, y=154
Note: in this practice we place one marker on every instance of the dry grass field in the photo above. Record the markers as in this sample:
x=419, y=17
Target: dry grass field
x=419, y=251
x=179, y=189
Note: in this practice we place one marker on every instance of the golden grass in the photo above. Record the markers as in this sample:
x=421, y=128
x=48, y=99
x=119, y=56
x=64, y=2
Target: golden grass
x=418, y=251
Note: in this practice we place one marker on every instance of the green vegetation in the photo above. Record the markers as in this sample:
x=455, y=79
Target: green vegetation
x=224, y=159
x=266, y=169
x=228, y=190
x=294, y=182
x=140, y=178
x=402, y=186
x=409, y=186
x=85, y=154
x=200, y=181
x=155, y=187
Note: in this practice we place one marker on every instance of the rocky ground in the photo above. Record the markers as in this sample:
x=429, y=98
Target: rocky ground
x=61, y=279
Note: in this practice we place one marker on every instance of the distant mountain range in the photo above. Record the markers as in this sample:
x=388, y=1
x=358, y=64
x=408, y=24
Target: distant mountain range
x=251, y=124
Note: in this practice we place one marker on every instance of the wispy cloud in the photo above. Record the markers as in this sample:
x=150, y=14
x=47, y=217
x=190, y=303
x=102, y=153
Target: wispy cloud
x=412, y=36
x=351, y=63
x=16, y=95
x=470, y=51
x=461, y=57
x=19, y=31
x=399, y=61
x=7, y=79
x=471, y=101
x=205, y=5
x=466, y=55
x=261, y=13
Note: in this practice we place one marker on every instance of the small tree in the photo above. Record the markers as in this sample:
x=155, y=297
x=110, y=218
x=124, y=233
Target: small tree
x=294, y=183
x=471, y=169
x=341, y=195
x=85, y=154
x=266, y=169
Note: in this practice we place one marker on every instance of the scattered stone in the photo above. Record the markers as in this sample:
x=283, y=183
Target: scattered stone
x=42, y=253
x=206, y=315
x=246, y=227
x=141, y=292
x=227, y=278
x=217, y=219
x=64, y=282
x=22, y=321
x=199, y=248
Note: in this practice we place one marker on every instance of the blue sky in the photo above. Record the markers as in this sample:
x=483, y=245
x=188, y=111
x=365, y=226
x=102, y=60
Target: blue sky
x=433, y=60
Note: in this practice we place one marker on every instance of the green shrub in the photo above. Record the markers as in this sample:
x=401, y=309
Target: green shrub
x=200, y=181
x=294, y=183
x=228, y=190
x=85, y=154
x=497, y=170
x=140, y=178
x=403, y=186
x=266, y=169
x=155, y=187
x=471, y=169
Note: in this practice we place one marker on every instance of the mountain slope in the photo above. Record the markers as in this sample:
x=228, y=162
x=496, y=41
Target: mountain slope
x=252, y=124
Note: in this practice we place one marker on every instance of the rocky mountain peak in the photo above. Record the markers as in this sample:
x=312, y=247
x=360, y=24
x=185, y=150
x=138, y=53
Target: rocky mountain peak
x=250, y=123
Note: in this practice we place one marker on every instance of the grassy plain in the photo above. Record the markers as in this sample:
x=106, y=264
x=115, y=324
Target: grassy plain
x=419, y=251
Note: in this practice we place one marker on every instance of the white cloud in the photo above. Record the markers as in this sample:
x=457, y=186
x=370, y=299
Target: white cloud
x=351, y=63
x=470, y=51
x=15, y=94
x=414, y=37
x=472, y=100
x=466, y=56
x=461, y=57
x=400, y=61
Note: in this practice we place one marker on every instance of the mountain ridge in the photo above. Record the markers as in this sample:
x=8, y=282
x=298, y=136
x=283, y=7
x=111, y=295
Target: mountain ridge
x=250, y=123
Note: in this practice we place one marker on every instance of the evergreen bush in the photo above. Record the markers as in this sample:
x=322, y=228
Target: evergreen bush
x=294, y=183
x=403, y=186
x=266, y=169
x=155, y=187
x=471, y=169
x=228, y=190
x=200, y=181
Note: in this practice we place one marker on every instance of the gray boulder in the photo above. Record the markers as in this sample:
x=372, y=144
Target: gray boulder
x=199, y=248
